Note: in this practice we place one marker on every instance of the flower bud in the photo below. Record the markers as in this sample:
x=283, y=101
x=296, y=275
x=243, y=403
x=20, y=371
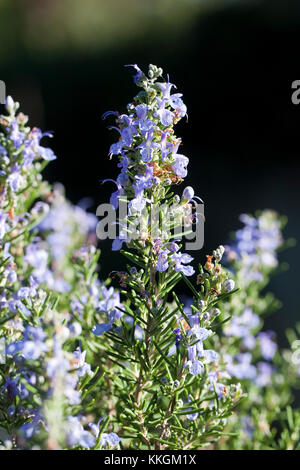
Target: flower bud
x=188, y=194
x=10, y=104
x=133, y=270
x=40, y=209
x=219, y=252
x=11, y=410
x=229, y=285
x=216, y=312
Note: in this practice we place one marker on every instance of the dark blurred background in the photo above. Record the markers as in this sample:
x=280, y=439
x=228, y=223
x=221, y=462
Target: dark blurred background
x=234, y=61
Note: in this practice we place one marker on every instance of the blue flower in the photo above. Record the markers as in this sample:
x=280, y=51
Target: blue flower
x=77, y=435
x=147, y=147
x=82, y=367
x=166, y=117
x=267, y=346
x=162, y=262
x=166, y=89
x=114, y=198
x=201, y=333
x=229, y=285
x=139, y=73
x=242, y=367
x=165, y=146
x=180, y=260
x=112, y=439
x=116, y=149
x=177, y=104
x=15, y=179
x=196, y=367
x=143, y=182
x=101, y=328
x=32, y=427
x=264, y=374
x=180, y=165
x=210, y=355
x=16, y=136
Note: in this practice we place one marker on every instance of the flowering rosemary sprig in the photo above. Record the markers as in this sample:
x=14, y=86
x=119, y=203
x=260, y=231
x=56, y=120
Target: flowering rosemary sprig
x=165, y=376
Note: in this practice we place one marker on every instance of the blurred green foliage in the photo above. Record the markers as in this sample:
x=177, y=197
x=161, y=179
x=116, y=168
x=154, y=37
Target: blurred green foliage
x=63, y=26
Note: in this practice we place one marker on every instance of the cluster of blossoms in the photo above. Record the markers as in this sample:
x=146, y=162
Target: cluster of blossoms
x=41, y=381
x=58, y=225
x=255, y=247
x=150, y=164
x=250, y=353
x=253, y=255
x=19, y=148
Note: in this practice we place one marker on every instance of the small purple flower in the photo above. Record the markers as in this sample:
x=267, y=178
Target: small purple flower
x=76, y=434
x=30, y=428
x=116, y=149
x=16, y=136
x=180, y=165
x=177, y=104
x=166, y=117
x=267, y=346
x=180, y=260
x=141, y=111
x=264, y=374
x=101, y=328
x=143, y=182
x=111, y=439
x=82, y=367
x=162, y=262
x=210, y=355
x=147, y=147
x=165, y=146
x=242, y=367
x=178, y=336
x=11, y=386
x=166, y=89
x=201, y=333
x=15, y=180
x=137, y=204
x=219, y=388
x=46, y=153
x=192, y=353
x=196, y=367
x=114, y=199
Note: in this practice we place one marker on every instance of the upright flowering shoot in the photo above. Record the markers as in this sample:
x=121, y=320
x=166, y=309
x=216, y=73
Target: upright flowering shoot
x=164, y=375
x=150, y=163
